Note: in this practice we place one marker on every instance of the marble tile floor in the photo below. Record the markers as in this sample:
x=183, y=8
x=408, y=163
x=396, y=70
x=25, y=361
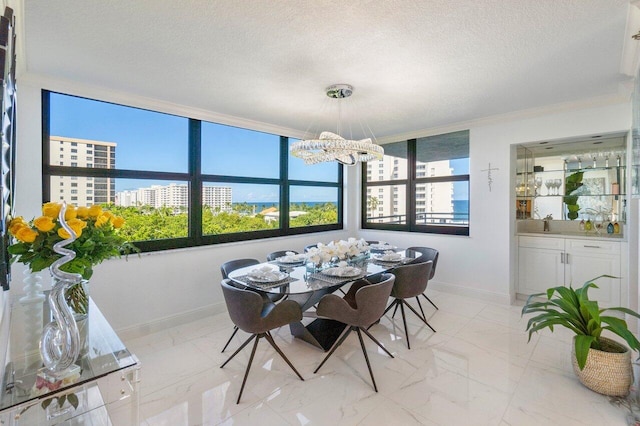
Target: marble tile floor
x=478, y=369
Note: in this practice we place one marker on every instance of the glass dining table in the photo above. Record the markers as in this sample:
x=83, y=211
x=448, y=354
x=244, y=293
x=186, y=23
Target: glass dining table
x=306, y=287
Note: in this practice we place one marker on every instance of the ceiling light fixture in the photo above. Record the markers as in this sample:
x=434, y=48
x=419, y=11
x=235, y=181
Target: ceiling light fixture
x=333, y=147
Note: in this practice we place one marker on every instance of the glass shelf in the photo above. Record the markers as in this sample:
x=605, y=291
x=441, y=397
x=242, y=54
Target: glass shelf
x=569, y=171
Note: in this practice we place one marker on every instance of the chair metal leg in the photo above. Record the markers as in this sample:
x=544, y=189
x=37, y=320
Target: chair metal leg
x=376, y=342
x=273, y=343
x=434, y=305
x=418, y=315
x=394, y=311
x=239, y=349
x=347, y=330
x=391, y=305
x=246, y=373
x=366, y=357
x=404, y=321
x=235, y=330
x=421, y=310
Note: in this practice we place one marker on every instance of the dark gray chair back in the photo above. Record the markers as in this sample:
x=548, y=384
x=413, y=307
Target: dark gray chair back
x=427, y=253
x=232, y=265
x=276, y=254
x=248, y=311
x=411, y=280
x=370, y=301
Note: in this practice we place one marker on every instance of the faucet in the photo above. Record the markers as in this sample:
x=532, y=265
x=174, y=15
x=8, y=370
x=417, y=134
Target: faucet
x=545, y=222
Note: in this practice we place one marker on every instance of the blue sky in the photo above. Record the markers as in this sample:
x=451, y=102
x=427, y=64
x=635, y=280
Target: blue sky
x=154, y=141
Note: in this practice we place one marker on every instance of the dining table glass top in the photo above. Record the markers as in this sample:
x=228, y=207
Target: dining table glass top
x=298, y=278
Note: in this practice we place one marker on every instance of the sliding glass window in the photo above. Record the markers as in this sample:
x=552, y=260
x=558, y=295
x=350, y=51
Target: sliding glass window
x=181, y=182
x=421, y=185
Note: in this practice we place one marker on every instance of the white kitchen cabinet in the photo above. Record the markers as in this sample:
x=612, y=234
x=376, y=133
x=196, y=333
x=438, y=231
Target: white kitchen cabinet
x=586, y=260
x=545, y=262
x=539, y=264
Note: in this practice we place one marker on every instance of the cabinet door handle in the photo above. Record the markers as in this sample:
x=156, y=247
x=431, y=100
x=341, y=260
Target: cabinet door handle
x=561, y=257
x=566, y=258
x=591, y=246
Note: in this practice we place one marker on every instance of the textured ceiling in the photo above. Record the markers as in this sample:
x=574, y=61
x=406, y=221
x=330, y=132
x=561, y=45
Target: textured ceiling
x=414, y=64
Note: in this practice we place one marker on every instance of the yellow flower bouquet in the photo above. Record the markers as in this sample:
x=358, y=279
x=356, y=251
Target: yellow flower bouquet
x=97, y=239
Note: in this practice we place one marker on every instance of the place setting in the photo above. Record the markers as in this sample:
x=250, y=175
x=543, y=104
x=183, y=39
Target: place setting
x=290, y=259
x=382, y=246
x=339, y=273
x=389, y=257
x=266, y=277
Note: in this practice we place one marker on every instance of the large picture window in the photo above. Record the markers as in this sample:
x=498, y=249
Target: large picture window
x=181, y=182
x=420, y=185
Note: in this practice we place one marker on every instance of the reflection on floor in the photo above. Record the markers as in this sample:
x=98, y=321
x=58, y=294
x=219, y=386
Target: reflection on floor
x=478, y=369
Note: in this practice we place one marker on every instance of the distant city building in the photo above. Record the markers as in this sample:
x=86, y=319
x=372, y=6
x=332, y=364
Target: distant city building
x=434, y=201
x=81, y=190
x=175, y=196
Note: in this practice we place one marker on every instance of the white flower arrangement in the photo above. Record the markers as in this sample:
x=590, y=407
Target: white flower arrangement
x=341, y=250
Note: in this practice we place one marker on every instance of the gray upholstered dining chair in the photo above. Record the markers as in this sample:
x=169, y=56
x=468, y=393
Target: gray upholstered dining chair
x=411, y=281
x=365, y=309
x=249, y=313
x=225, y=269
x=276, y=254
x=426, y=254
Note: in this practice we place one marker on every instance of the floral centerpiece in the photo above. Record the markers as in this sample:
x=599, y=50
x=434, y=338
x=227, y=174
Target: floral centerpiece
x=337, y=250
x=97, y=239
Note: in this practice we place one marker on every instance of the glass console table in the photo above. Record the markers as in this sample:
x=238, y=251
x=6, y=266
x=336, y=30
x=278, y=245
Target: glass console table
x=105, y=393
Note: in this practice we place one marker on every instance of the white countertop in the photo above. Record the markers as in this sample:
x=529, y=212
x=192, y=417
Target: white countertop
x=577, y=235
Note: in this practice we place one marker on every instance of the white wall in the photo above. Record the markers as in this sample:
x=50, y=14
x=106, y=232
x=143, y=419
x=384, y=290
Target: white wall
x=158, y=289
x=148, y=291
x=481, y=264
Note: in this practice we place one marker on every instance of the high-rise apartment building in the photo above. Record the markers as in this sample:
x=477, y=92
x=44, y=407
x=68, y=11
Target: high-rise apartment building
x=387, y=203
x=175, y=196
x=81, y=190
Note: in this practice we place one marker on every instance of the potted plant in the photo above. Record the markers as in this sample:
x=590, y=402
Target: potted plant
x=601, y=364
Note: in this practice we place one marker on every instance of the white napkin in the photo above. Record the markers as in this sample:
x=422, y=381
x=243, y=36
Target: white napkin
x=391, y=256
x=265, y=273
x=345, y=271
x=292, y=257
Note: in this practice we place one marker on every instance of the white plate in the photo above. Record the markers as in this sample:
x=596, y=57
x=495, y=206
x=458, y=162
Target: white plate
x=290, y=259
x=277, y=276
x=380, y=247
x=380, y=258
x=342, y=272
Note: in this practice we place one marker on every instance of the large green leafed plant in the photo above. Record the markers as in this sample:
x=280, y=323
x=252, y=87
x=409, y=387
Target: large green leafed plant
x=573, y=309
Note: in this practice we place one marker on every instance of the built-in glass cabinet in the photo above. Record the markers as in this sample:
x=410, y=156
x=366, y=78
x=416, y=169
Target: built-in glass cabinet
x=582, y=180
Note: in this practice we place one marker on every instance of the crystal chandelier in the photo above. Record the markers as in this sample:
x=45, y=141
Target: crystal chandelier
x=333, y=147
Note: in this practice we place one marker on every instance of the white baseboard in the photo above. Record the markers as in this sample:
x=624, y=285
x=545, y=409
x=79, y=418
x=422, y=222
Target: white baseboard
x=487, y=296
x=140, y=330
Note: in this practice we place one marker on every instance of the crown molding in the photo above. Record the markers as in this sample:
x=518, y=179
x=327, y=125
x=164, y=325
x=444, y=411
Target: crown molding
x=75, y=88
x=599, y=101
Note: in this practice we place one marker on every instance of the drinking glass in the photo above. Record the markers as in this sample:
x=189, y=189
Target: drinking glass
x=538, y=182
x=548, y=183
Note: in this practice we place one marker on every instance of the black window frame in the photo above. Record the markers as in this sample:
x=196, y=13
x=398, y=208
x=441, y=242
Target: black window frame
x=195, y=179
x=410, y=184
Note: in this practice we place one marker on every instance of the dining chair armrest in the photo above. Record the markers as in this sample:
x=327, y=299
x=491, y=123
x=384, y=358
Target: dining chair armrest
x=335, y=307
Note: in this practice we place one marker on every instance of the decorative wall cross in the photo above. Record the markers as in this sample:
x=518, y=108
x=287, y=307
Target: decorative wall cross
x=489, y=178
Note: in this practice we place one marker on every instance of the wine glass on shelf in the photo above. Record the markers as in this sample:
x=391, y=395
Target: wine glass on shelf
x=558, y=184
x=548, y=183
x=538, y=187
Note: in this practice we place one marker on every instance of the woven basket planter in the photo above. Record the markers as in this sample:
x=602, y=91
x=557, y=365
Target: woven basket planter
x=608, y=373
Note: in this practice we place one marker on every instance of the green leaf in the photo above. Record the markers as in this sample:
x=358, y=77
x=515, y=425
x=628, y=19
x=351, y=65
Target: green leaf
x=46, y=403
x=73, y=400
x=619, y=327
x=582, y=345
x=625, y=310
